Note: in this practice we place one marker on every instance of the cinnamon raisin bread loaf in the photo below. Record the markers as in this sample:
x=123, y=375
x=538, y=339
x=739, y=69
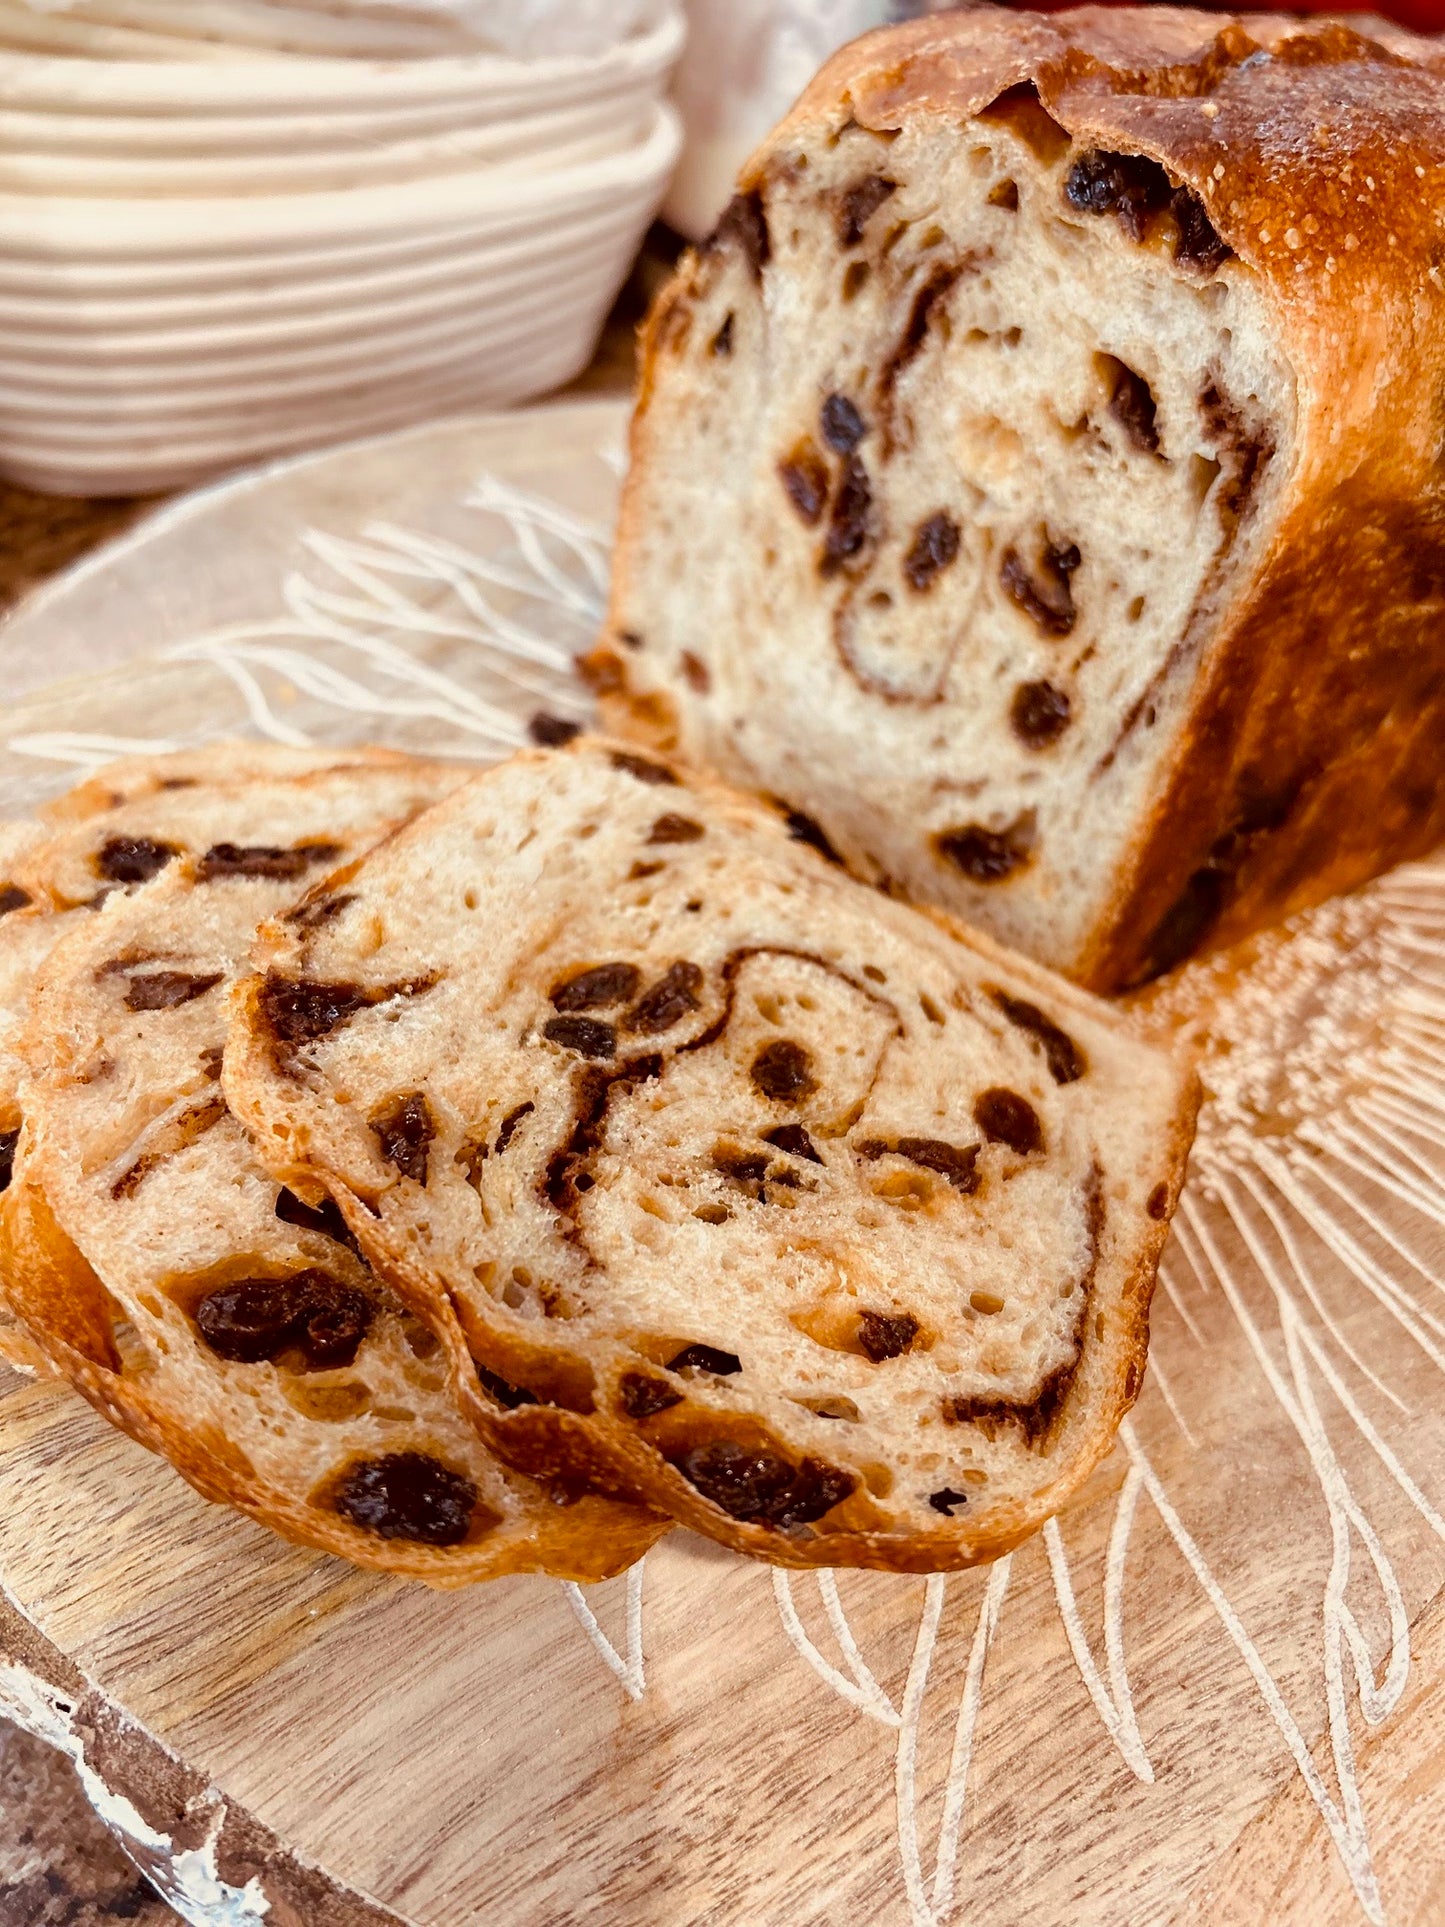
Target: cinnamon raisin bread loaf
x=820, y=1223
x=217, y=1318
x=1036, y=482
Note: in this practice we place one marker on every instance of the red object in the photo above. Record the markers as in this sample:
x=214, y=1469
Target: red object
x=1420, y=16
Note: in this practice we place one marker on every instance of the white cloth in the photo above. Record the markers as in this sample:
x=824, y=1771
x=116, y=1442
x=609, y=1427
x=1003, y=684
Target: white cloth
x=746, y=62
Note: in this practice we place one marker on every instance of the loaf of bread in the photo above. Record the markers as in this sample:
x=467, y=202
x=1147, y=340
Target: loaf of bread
x=820, y=1223
x=215, y=1317
x=1037, y=482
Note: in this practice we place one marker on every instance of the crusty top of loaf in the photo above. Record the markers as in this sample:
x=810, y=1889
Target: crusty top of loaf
x=1295, y=132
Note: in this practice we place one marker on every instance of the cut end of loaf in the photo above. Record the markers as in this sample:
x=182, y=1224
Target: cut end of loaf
x=947, y=441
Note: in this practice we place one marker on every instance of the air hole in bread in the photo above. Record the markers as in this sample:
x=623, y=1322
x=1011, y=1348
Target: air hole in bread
x=833, y=1406
x=330, y=1404
x=1203, y=474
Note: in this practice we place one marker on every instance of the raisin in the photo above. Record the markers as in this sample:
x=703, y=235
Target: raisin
x=987, y=856
x=509, y=1125
x=257, y=1319
x=1046, y=596
x=1132, y=404
x=745, y=1167
x=763, y=1488
x=641, y=870
x=934, y=547
x=312, y=912
x=12, y=897
x=642, y=1396
x=947, y=1500
x=334, y=1322
x=843, y=427
x=166, y=989
x=705, y=1358
x=675, y=829
x=505, y=1393
x=782, y=1070
x=1039, y=713
x=886, y=1336
x=805, y=478
x=642, y=767
x=1127, y=185
x=722, y=341
x=744, y=223
x=956, y=1162
x=915, y=332
x=408, y=1495
x=699, y=676
x=793, y=1139
x=404, y=1131
x=1006, y=1118
x=585, y=1035
x=133, y=859
x=1243, y=450
x=324, y=1218
x=299, y=1012
x=803, y=829
x=1197, y=242
x=851, y=523
x=1065, y=1060
x=210, y=1060
x=859, y=204
x=9, y=1140
x=667, y=1002
x=600, y=988
x=552, y=732
x=263, y=860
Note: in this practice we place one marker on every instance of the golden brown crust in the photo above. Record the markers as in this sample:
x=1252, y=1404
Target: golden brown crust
x=1315, y=750
x=67, y=1315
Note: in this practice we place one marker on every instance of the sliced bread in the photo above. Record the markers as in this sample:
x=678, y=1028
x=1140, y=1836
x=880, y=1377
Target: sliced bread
x=819, y=1222
x=217, y=1318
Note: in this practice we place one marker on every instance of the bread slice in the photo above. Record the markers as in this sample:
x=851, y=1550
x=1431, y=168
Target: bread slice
x=114, y=830
x=58, y=860
x=97, y=826
x=823, y=1224
x=216, y=1318
x=1035, y=481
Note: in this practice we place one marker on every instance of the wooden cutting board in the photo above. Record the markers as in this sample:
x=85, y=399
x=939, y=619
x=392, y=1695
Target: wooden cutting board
x=1212, y=1691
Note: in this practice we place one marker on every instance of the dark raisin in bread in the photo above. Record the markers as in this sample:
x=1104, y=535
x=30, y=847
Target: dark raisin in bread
x=1036, y=480
x=818, y=1222
x=219, y=1319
